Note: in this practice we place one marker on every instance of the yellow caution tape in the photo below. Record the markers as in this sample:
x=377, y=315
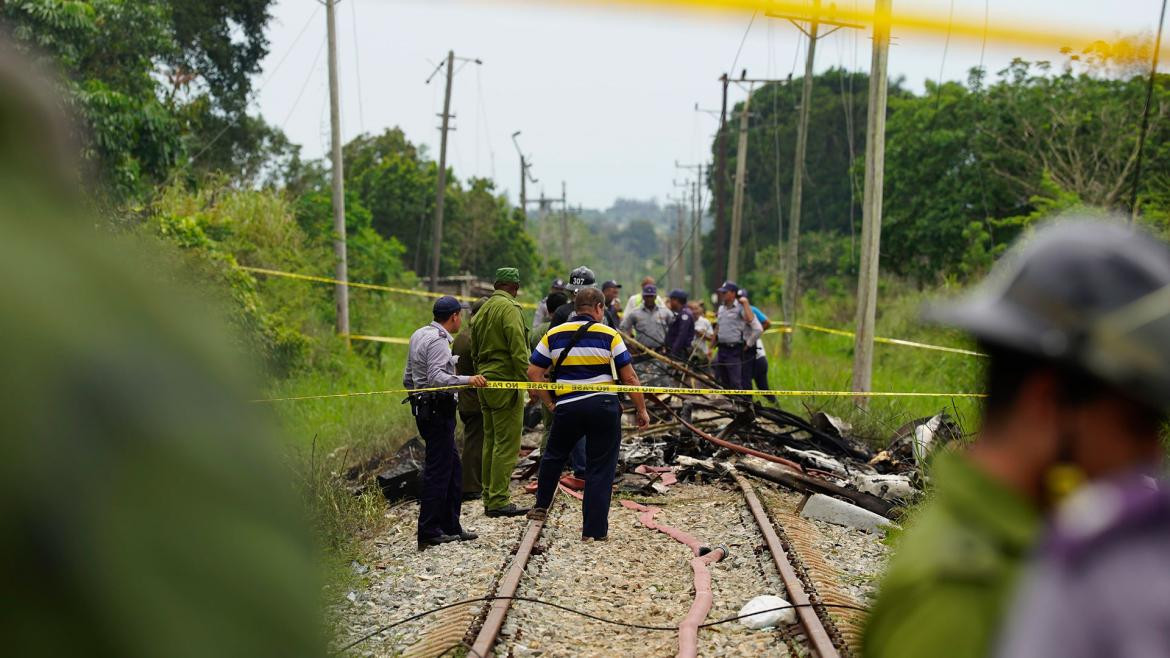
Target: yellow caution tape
x=562, y=388
x=366, y=286
x=877, y=339
x=381, y=339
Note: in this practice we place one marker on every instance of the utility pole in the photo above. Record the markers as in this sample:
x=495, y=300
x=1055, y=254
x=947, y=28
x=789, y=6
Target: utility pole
x=721, y=176
x=696, y=280
x=696, y=239
x=740, y=179
x=525, y=175
x=721, y=190
x=340, y=269
x=441, y=191
x=441, y=187
x=871, y=212
x=566, y=243
x=792, y=252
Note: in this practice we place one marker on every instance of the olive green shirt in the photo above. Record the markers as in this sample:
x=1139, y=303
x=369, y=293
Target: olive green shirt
x=461, y=347
x=953, y=572
x=499, y=340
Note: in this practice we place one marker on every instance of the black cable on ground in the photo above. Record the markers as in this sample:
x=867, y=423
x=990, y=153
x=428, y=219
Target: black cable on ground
x=582, y=613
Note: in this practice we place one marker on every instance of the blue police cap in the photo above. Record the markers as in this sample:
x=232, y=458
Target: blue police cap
x=446, y=305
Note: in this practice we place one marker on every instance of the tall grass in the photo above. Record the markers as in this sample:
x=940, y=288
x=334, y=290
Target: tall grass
x=822, y=361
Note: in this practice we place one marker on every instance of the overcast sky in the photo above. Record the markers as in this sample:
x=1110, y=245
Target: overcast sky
x=605, y=96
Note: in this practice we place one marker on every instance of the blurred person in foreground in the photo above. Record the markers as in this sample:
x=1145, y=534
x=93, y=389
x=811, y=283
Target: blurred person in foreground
x=1100, y=583
x=144, y=508
x=431, y=364
x=584, y=351
x=1076, y=382
x=499, y=351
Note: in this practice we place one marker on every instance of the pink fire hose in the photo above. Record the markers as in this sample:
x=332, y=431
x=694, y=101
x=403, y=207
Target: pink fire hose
x=688, y=629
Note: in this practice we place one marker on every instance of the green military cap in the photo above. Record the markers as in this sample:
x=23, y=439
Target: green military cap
x=507, y=275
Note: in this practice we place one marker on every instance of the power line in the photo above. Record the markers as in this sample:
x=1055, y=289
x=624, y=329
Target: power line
x=256, y=92
x=1137, y=177
x=357, y=66
x=741, y=42
x=308, y=77
x=943, y=63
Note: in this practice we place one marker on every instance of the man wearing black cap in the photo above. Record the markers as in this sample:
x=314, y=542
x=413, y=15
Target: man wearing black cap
x=681, y=332
x=735, y=336
x=613, y=306
x=1075, y=325
x=429, y=364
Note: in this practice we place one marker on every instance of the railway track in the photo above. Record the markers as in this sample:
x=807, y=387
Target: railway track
x=509, y=624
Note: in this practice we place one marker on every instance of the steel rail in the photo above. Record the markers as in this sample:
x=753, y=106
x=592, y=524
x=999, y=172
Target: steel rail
x=818, y=636
x=508, y=584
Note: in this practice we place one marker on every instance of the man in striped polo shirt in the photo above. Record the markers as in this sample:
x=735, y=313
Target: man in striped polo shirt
x=584, y=351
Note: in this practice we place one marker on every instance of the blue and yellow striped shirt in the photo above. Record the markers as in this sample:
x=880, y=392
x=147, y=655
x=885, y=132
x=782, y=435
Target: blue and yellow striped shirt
x=596, y=357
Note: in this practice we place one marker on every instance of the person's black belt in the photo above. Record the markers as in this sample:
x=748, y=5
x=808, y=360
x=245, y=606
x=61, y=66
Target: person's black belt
x=732, y=346
x=424, y=404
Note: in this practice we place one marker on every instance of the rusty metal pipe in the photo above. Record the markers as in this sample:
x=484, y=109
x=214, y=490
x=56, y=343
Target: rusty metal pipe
x=728, y=444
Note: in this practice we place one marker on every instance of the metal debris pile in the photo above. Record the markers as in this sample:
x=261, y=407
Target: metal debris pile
x=688, y=435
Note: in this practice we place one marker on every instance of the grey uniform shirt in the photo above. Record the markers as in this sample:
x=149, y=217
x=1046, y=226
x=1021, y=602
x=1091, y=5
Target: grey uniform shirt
x=649, y=324
x=732, y=328
x=430, y=362
x=541, y=315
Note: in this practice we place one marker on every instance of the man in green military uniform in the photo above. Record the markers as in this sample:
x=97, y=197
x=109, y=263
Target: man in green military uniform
x=499, y=351
x=469, y=412
x=1045, y=320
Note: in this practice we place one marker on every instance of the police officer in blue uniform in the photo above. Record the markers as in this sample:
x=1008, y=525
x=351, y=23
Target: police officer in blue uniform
x=431, y=365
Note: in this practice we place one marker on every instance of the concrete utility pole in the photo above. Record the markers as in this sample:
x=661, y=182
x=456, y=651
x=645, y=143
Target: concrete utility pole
x=441, y=187
x=721, y=190
x=525, y=176
x=740, y=180
x=566, y=242
x=792, y=252
x=340, y=269
x=871, y=213
x=696, y=232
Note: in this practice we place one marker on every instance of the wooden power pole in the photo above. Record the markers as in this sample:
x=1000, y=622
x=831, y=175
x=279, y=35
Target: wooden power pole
x=696, y=232
x=720, y=271
x=566, y=241
x=792, y=250
x=340, y=269
x=871, y=213
x=737, y=201
x=525, y=176
x=441, y=186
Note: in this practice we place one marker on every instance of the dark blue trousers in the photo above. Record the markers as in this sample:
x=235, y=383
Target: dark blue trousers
x=733, y=367
x=441, y=499
x=599, y=418
x=760, y=375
